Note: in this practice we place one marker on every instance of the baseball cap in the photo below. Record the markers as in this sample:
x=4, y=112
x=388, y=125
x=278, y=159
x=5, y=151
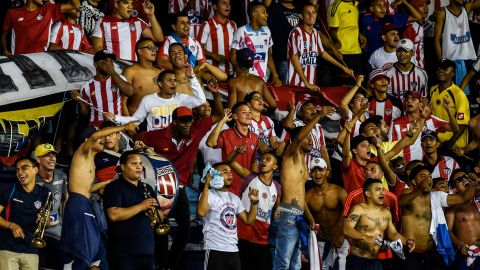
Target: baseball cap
x=414, y=94
x=245, y=57
x=419, y=3
x=387, y=28
x=43, y=149
x=446, y=63
x=306, y=98
x=429, y=134
x=103, y=55
x=377, y=74
x=317, y=162
x=182, y=113
x=405, y=44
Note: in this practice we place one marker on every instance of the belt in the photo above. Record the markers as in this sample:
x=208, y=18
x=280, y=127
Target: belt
x=294, y=211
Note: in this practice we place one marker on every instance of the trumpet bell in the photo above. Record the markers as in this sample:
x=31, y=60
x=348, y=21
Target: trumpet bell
x=39, y=243
x=162, y=229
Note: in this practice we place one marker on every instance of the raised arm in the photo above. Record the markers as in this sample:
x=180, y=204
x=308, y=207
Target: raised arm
x=239, y=169
x=249, y=218
x=452, y=121
x=155, y=31
x=349, y=96
x=67, y=7
x=213, y=137
x=407, y=196
x=202, y=206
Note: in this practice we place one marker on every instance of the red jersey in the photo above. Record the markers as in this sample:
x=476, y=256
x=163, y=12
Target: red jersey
x=415, y=80
x=353, y=176
x=69, y=36
x=119, y=35
x=399, y=129
x=309, y=47
x=264, y=128
x=415, y=32
x=227, y=140
x=31, y=29
x=389, y=109
x=103, y=95
x=216, y=37
x=390, y=202
x=182, y=154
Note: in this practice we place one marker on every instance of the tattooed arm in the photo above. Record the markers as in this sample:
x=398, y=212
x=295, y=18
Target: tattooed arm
x=351, y=223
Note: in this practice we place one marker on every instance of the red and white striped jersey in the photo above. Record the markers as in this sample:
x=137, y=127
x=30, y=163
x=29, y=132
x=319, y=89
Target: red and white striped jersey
x=444, y=167
x=309, y=47
x=265, y=128
x=389, y=109
x=259, y=42
x=216, y=37
x=120, y=36
x=414, y=32
x=399, y=130
x=177, y=6
x=103, y=95
x=69, y=36
x=192, y=44
x=415, y=80
x=318, y=140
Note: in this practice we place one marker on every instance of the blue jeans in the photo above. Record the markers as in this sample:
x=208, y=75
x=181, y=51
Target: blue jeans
x=287, y=243
x=282, y=70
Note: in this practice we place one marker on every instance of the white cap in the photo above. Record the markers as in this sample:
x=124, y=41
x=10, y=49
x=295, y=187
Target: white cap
x=405, y=44
x=317, y=162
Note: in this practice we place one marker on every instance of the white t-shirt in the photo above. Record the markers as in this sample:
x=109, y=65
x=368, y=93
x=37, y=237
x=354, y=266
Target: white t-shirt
x=380, y=58
x=210, y=155
x=220, y=224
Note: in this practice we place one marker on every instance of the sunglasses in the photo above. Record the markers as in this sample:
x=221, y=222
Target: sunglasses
x=152, y=48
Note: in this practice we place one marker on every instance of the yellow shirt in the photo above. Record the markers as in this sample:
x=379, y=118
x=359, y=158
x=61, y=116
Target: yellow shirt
x=459, y=107
x=344, y=16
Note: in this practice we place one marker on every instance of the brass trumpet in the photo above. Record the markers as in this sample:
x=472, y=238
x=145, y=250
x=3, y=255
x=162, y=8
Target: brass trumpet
x=154, y=217
x=44, y=218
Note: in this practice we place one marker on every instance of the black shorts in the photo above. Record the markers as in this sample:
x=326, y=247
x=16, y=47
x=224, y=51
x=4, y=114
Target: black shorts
x=221, y=260
x=80, y=234
x=359, y=263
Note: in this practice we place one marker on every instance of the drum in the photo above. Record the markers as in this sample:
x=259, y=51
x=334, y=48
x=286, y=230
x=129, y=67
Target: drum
x=160, y=173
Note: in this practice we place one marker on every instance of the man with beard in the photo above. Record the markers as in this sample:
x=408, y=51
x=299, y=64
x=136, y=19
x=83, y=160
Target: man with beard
x=125, y=202
x=443, y=165
x=142, y=75
x=119, y=31
x=220, y=209
x=367, y=225
x=293, y=175
x=464, y=221
x=80, y=233
x=420, y=208
x=31, y=25
x=325, y=203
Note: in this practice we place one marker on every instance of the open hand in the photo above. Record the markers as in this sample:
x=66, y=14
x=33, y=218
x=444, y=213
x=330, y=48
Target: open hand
x=253, y=194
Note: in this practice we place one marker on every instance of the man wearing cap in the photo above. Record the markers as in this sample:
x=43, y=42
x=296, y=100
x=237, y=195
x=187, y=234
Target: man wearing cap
x=385, y=54
x=325, y=203
x=105, y=91
x=423, y=220
x=405, y=75
x=464, y=222
x=381, y=103
x=418, y=113
x=443, y=165
x=244, y=82
x=459, y=105
x=157, y=108
x=415, y=32
x=178, y=142
x=56, y=181
x=119, y=31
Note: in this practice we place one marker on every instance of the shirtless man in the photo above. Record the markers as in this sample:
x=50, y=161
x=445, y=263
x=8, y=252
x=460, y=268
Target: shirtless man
x=415, y=203
x=80, y=234
x=204, y=71
x=142, y=75
x=325, y=203
x=366, y=226
x=463, y=222
x=293, y=175
x=244, y=82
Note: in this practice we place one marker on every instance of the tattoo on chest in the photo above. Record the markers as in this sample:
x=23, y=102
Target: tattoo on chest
x=374, y=220
x=427, y=215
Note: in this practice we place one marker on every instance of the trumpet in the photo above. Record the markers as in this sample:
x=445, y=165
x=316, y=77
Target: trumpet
x=154, y=217
x=43, y=219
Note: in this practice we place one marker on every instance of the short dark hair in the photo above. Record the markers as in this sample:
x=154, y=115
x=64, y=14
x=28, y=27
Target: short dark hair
x=218, y=164
x=126, y=155
x=106, y=124
x=174, y=16
x=140, y=42
x=237, y=105
x=376, y=120
x=253, y=6
x=368, y=183
x=164, y=73
x=177, y=44
x=32, y=161
x=417, y=170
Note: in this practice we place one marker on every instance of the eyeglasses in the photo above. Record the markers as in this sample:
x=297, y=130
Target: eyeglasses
x=257, y=98
x=152, y=48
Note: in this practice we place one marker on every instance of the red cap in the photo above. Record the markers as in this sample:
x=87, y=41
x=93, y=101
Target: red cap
x=182, y=112
x=387, y=28
x=419, y=3
x=414, y=94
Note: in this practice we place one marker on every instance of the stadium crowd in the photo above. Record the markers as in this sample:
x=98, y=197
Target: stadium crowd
x=394, y=186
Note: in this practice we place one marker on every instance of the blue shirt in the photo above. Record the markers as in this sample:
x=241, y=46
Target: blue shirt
x=371, y=28
x=134, y=235
x=24, y=208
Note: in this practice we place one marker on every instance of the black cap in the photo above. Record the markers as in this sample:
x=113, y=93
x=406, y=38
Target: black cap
x=245, y=57
x=445, y=63
x=103, y=55
x=418, y=169
x=357, y=140
x=429, y=134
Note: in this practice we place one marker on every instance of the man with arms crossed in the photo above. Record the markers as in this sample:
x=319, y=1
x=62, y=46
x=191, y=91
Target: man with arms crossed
x=366, y=226
x=79, y=219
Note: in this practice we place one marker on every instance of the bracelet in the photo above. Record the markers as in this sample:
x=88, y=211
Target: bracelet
x=254, y=202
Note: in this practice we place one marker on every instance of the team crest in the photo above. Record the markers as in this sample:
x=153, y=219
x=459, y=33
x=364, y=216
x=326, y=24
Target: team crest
x=413, y=85
x=39, y=17
x=132, y=27
x=447, y=170
x=37, y=204
x=228, y=218
x=293, y=20
x=252, y=146
x=192, y=48
x=264, y=195
x=461, y=116
x=388, y=111
x=166, y=181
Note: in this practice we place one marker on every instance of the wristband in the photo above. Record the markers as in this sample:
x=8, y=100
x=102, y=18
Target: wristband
x=254, y=202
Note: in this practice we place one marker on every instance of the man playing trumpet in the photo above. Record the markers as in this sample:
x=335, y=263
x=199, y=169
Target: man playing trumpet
x=126, y=202
x=20, y=205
